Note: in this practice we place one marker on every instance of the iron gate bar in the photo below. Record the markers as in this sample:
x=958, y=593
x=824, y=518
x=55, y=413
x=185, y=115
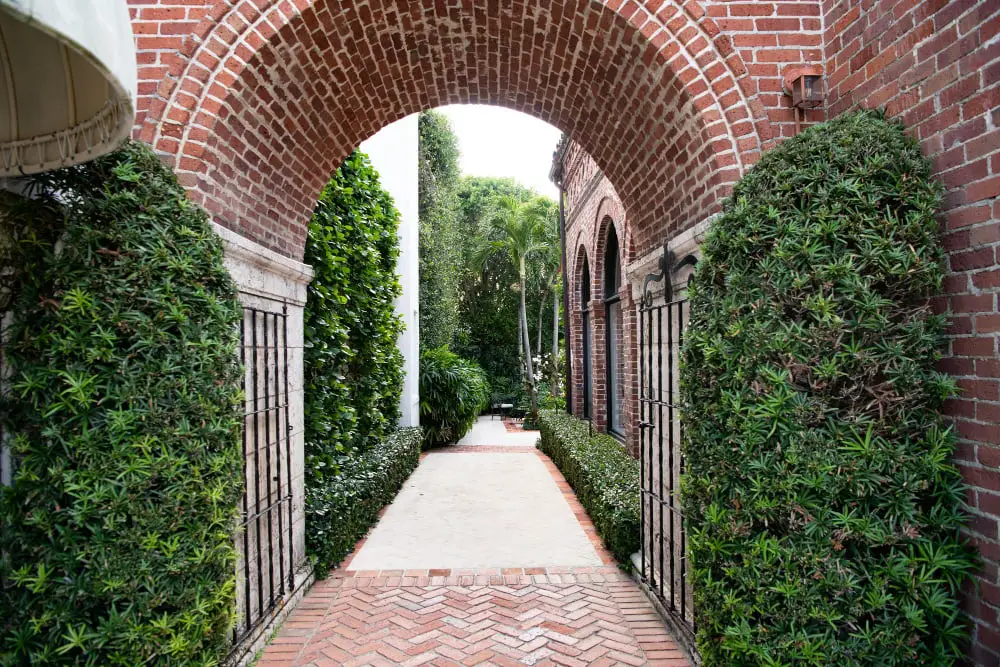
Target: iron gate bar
x=288, y=451
x=277, y=440
x=256, y=461
x=246, y=536
x=659, y=409
x=661, y=573
x=671, y=416
x=271, y=389
x=267, y=458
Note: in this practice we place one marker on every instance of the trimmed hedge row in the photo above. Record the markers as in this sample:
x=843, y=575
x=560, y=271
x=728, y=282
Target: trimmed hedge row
x=603, y=475
x=349, y=502
x=124, y=411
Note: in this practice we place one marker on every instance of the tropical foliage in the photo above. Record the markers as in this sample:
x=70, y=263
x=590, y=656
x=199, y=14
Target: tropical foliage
x=823, y=507
x=453, y=391
x=353, y=367
x=489, y=306
x=522, y=231
x=472, y=288
x=123, y=416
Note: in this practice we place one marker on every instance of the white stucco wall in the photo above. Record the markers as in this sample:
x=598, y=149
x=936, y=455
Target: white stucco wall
x=393, y=152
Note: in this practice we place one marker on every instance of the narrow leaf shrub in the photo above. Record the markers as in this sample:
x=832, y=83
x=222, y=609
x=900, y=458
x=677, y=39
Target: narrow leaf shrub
x=124, y=417
x=453, y=391
x=353, y=367
x=603, y=475
x=822, y=504
x=352, y=498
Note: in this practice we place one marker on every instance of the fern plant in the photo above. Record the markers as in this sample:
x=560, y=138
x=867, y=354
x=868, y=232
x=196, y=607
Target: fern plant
x=453, y=391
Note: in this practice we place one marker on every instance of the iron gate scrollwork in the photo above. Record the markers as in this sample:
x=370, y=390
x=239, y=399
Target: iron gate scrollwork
x=663, y=557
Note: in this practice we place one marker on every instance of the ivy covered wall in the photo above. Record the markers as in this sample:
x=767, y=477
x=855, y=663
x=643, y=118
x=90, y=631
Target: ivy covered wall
x=353, y=368
x=440, y=236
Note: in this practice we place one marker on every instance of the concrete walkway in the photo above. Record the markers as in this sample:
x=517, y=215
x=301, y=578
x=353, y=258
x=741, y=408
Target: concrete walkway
x=491, y=431
x=485, y=558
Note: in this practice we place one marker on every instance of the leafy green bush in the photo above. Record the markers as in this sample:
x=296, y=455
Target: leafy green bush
x=453, y=391
x=824, y=510
x=124, y=417
x=353, y=367
x=349, y=503
x=603, y=475
x=441, y=238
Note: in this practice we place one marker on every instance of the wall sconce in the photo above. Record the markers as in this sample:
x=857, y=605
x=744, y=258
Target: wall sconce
x=804, y=84
x=807, y=91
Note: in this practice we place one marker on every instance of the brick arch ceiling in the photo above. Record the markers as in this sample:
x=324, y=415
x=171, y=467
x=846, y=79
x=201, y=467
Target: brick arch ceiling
x=271, y=95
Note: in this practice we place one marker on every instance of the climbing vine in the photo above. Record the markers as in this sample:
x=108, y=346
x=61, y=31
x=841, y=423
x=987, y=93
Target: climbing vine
x=441, y=239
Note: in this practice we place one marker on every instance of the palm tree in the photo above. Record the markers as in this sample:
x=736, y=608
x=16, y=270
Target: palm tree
x=549, y=274
x=521, y=234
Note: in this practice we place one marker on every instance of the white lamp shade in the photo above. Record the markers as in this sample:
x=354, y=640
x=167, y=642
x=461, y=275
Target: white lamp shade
x=67, y=82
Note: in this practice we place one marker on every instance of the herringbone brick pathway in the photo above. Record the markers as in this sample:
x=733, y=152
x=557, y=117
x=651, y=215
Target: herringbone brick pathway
x=571, y=616
x=588, y=618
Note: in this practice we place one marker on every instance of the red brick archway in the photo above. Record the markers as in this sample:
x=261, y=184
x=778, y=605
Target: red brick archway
x=268, y=96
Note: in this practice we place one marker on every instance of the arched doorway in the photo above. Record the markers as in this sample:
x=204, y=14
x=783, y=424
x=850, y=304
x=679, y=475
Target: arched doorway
x=267, y=97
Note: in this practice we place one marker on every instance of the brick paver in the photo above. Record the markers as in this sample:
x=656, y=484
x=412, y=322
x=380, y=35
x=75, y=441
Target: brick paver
x=504, y=616
x=580, y=618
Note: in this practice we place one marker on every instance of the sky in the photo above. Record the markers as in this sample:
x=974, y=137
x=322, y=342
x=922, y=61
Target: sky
x=500, y=142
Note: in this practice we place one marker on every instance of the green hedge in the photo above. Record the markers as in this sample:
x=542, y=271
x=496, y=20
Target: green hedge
x=603, y=475
x=352, y=498
x=124, y=415
x=353, y=367
x=823, y=507
x=441, y=238
x=453, y=391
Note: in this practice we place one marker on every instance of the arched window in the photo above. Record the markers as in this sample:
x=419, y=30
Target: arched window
x=613, y=333
x=585, y=316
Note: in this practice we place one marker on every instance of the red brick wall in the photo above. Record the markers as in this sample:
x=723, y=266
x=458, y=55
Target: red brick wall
x=263, y=98
x=593, y=207
x=936, y=64
x=771, y=37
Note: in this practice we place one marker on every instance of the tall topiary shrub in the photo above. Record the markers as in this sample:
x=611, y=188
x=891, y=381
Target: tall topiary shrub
x=353, y=367
x=823, y=508
x=123, y=415
x=441, y=239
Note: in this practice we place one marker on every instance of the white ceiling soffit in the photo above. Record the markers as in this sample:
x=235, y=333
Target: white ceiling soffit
x=67, y=82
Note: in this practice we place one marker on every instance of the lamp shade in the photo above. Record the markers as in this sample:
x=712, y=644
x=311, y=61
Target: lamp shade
x=67, y=82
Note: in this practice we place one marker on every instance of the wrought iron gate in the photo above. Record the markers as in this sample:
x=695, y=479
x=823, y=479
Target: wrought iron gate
x=265, y=571
x=663, y=556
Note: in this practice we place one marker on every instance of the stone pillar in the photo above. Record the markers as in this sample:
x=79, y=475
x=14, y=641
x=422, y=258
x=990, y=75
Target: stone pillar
x=273, y=283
